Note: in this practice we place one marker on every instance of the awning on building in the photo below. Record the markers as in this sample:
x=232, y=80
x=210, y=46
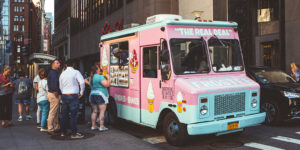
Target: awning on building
x=41, y=58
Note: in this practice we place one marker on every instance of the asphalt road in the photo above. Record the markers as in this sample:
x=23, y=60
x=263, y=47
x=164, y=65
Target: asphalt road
x=126, y=135
x=285, y=135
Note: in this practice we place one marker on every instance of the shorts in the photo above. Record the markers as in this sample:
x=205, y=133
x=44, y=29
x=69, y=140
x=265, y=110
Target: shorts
x=97, y=100
x=26, y=102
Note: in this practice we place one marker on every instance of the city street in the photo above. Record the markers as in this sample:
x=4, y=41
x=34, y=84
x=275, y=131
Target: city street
x=126, y=135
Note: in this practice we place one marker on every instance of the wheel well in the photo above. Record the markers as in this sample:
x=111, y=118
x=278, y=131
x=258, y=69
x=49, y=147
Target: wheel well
x=161, y=117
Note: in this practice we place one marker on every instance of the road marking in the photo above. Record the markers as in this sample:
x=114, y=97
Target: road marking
x=286, y=139
x=261, y=146
x=155, y=140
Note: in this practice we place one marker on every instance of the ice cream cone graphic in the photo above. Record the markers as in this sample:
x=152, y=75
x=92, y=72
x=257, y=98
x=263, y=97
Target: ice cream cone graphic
x=150, y=97
x=104, y=61
x=179, y=102
x=133, y=61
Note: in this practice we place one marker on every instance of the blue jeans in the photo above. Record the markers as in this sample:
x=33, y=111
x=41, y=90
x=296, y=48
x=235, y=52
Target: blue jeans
x=69, y=104
x=44, y=105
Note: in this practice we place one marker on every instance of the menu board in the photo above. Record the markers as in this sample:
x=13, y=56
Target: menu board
x=119, y=76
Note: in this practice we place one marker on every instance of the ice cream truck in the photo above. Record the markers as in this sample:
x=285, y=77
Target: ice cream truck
x=185, y=77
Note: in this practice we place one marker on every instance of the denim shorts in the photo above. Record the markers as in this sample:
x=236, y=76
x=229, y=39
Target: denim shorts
x=96, y=100
x=27, y=101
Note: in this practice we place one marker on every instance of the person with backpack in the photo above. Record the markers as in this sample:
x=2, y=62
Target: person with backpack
x=22, y=94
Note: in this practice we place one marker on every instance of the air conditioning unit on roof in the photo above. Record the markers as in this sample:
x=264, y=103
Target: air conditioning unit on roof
x=161, y=17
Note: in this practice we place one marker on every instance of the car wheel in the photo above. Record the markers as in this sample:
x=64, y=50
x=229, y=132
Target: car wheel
x=271, y=110
x=174, y=131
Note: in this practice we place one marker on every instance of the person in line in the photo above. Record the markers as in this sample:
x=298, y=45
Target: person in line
x=53, y=98
x=42, y=99
x=72, y=86
x=5, y=98
x=22, y=94
x=36, y=80
x=98, y=96
x=295, y=71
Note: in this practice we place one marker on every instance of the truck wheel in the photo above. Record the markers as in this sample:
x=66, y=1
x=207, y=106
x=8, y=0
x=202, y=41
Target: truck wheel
x=111, y=112
x=272, y=112
x=174, y=131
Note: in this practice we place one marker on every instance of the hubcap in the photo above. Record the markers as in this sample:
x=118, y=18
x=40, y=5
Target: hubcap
x=270, y=112
x=173, y=129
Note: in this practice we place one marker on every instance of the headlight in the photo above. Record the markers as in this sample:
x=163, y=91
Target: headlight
x=203, y=110
x=291, y=95
x=254, y=103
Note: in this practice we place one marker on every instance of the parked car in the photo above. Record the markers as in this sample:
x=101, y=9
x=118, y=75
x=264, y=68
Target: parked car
x=280, y=94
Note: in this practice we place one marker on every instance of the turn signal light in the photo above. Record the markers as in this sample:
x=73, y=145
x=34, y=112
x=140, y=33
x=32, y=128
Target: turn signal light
x=254, y=94
x=184, y=109
x=176, y=19
x=204, y=100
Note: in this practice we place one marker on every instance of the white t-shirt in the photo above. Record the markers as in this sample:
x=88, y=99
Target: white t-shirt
x=36, y=79
x=42, y=95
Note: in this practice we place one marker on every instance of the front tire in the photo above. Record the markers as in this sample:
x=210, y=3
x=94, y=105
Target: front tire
x=174, y=131
x=272, y=113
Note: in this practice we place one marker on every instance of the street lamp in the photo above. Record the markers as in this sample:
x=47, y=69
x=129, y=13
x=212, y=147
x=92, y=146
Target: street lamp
x=197, y=14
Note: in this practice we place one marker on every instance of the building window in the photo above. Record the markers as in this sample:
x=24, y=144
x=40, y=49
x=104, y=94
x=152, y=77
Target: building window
x=22, y=9
x=18, y=59
x=16, y=18
x=16, y=28
x=22, y=18
x=23, y=28
x=16, y=9
x=16, y=1
x=18, y=49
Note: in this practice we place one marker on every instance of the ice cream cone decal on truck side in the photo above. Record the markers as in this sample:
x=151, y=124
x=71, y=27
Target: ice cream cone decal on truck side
x=179, y=102
x=133, y=61
x=150, y=97
x=104, y=61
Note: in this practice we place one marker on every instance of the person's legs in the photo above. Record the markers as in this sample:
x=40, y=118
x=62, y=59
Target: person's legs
x=64, y=113
x=38, y=115
x=74, y=106
x=20, y=106
x=44, y=105
x=102, y=109
x=9, y=109
x=51, y=99
x=56, y=123
x=94, y=115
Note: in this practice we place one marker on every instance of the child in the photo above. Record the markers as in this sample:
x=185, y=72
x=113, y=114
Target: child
x=22, y=94
x=42, y=99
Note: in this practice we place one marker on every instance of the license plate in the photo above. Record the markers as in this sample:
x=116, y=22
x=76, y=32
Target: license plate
x=233, y=125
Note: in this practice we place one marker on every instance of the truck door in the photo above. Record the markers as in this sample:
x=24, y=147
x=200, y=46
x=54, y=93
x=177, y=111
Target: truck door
x=150, y=88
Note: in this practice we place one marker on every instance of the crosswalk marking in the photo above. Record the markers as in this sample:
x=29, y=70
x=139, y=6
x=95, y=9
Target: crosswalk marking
x=286, y=139
x=155, y=140
x=261, y=146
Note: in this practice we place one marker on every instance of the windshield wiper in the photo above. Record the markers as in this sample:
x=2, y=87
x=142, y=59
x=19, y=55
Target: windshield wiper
x=223, y=45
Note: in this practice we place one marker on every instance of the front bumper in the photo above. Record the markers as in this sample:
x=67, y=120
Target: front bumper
x=222, y=125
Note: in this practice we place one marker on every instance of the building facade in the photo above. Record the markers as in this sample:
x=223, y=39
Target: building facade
x=80, y=31
x=5, y=43
x=268, y=29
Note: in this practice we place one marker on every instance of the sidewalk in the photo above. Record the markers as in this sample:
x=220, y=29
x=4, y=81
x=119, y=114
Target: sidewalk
x=25, y=136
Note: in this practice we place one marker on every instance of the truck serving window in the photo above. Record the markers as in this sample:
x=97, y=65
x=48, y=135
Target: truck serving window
x=119, y=69
x=225, y=55
x=189, y=56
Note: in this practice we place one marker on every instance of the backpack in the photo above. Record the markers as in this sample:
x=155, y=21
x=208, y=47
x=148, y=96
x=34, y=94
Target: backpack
x=23, y=90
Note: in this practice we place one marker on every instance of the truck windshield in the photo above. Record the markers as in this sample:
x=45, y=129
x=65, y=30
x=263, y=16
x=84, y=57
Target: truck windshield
x=189, y=56
x=225, y=55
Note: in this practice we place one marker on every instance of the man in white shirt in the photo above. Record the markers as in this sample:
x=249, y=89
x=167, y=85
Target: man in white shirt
x=71, y=84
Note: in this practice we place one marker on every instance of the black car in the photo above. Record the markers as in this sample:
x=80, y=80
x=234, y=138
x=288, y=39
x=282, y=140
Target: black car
x=280, y=93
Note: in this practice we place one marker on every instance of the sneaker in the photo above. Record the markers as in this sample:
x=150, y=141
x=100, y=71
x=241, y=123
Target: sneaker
x=28, y=117
x=103, y=129
x=93, y=129
x=38, y=125
x=44, y=129
x=20, y=118
x=77, y=136
x=62, y=134
x=52, y=133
